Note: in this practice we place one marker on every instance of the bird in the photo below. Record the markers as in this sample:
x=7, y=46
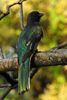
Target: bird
x=27, y=45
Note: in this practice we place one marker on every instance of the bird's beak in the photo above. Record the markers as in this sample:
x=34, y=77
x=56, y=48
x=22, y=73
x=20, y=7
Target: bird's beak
x=41, y=14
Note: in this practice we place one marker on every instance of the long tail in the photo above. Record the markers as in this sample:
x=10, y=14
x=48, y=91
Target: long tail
x=24, y=76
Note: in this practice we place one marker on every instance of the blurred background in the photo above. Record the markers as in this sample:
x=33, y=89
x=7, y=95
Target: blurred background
x=48, y=83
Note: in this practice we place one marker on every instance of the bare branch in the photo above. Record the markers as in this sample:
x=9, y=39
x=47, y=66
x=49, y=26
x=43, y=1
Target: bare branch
x=41, y=59
x=33, y=72
x=5, y=85
x=61, y=46
x=8, y=64
x=1, y=53
x=8, y=8
x=51, y=58
x=6, y=93
x=21, y=15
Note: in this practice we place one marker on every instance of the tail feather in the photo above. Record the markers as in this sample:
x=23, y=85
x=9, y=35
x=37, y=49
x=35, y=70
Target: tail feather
x=24, y=77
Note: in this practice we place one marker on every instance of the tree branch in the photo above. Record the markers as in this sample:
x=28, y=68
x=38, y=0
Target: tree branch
x=8, y=8
x=21, y=15
x=51, y=58
x=5, y=85
x=40, y=59
x=63, y=45
x=55, y=56
x=6, y=93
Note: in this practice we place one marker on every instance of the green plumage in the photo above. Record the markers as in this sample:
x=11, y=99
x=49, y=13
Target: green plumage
x=24, y=52
x=27, y=45
x=23, y=76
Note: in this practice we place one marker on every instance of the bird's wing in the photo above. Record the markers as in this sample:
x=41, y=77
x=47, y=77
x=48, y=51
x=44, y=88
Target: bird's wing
x=33, y=43
x=34, y=39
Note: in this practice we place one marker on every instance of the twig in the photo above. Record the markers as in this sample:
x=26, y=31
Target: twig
x=8, y=9
x=6, y=93
x=5, y=85
x=63, y=45
x=33, y=72
x=1, y=53
x=21, y=15
x=16, y=85
x=8, y=78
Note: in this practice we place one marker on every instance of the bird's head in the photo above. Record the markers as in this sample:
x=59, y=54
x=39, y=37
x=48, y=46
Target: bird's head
x=34, y=17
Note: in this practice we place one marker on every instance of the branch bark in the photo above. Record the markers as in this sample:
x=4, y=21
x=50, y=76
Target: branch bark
x=51, y=58
x=8, y=8
x=40, y=59
x=21, y=15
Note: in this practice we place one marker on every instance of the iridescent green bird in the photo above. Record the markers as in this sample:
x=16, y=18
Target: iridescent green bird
x=27, y=45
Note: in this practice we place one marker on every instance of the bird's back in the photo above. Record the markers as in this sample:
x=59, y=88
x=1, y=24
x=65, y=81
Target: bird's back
x=24, y=38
